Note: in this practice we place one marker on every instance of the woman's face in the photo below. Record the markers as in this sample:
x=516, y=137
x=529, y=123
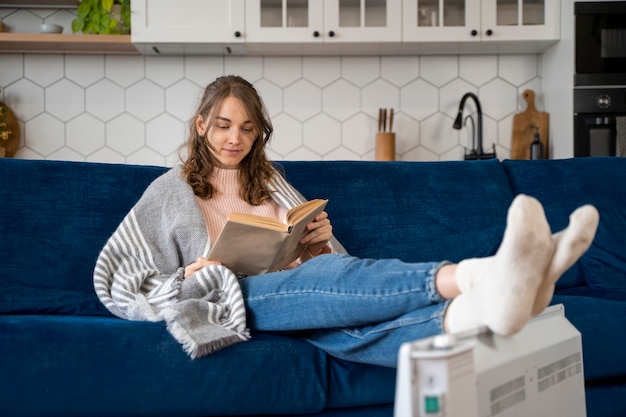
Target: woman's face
x=232, y=134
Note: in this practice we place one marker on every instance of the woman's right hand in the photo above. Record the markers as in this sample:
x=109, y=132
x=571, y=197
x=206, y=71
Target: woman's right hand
x=200, y=263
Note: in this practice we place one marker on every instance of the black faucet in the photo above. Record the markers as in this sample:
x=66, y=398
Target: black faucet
x=458, y=124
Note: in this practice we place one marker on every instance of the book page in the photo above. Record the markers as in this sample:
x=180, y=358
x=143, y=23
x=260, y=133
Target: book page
x=292, y=247
x=298, y=212
x=259, y=221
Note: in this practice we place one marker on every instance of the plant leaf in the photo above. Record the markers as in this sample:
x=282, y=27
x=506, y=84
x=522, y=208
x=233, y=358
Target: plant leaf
x=83, y=9
x=105, y=20
x=78, y=24
x=107, y=4
x=89, y=27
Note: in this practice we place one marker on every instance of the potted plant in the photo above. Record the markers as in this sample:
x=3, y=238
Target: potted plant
x=104, y=17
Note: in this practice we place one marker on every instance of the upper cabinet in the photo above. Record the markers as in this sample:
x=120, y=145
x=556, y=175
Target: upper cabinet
x=188, y=26
x=306, y=27
x=520, y=20
x=318, y=21
x=463, y=21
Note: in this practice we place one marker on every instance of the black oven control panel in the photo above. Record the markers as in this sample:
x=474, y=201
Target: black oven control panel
x=600, y=100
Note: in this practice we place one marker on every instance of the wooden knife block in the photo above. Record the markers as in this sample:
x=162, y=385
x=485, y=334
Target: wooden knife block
x=385, y=146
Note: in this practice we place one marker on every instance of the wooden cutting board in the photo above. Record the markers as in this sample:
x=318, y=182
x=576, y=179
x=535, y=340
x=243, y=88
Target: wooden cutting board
x=524, y=127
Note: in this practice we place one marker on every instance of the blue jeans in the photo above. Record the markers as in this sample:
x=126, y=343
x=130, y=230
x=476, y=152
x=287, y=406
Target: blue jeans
x=360, y=310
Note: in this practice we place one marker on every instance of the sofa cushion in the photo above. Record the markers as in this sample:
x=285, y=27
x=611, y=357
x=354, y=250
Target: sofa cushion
x=99, y=366
x=606, y=398
x=562, y=186
x=601, y=323
x=415, y=211
x=354, y=384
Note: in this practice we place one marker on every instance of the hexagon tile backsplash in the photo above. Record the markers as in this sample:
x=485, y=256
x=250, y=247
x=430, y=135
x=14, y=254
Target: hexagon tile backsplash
x=135, y=109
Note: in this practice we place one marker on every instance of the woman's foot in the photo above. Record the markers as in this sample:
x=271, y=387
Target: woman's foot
x=503, y=299
x=571, y=243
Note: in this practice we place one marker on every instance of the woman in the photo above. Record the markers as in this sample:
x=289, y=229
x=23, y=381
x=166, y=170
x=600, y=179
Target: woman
x=154, y=267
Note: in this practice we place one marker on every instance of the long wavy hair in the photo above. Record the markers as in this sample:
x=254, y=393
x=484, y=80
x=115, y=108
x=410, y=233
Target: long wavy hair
x=255, y=170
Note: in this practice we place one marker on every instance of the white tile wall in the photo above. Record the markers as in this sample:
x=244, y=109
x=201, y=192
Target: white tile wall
x=122, y=109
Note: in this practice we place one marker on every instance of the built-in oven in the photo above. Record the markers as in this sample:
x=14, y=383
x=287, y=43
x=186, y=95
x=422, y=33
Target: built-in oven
x=600, y=78
x=600, y=42
x=599, y=121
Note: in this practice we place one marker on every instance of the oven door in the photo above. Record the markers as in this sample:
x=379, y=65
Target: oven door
x=600, y=43
x=594, y=135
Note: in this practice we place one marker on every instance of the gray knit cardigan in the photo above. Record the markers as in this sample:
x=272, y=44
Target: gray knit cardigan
x=139, y=272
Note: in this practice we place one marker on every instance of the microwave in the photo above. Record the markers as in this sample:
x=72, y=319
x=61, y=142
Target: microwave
x=600, y=43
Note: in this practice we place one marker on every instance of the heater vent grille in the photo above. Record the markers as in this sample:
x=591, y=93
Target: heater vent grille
x=507, y=395
x=559, y=371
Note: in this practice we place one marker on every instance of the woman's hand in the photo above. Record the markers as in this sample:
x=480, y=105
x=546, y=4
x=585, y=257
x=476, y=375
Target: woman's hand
x=200, y=263
x=319, y=233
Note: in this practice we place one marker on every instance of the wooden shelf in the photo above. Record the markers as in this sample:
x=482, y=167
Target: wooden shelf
x=66, y=43
x=55, y=4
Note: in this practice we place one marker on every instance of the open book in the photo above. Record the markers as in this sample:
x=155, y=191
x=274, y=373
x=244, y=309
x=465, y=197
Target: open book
x=253, y=245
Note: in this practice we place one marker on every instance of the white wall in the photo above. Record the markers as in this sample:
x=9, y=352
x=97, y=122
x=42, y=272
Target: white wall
x=558, y=84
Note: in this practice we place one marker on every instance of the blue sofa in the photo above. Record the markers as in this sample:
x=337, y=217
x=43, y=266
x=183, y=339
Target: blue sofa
x=63, y=354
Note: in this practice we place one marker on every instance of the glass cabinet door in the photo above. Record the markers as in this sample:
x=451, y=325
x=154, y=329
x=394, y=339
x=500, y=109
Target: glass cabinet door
x=284, y=13
x=284, y=20
x=450, y=13
x=443, y=20
x=363, y=20
x=515, y=12
x=521, y=19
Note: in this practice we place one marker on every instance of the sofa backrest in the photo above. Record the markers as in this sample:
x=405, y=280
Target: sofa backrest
x=415, y=211
x=56, y=217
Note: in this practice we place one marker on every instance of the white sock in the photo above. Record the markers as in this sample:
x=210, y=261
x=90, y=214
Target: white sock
x=503, y=299
x=571, y=243
x=470, y=271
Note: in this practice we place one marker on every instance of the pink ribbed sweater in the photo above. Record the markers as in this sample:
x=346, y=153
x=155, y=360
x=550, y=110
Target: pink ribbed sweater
x=227, y=200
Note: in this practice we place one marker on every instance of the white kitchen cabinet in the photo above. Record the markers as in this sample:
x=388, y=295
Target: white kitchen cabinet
x=481, y=20
x=187, y=26
x=323, y=21
x=521, y=20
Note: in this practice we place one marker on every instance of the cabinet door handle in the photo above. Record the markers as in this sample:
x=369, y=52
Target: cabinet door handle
x=474, y=32
x=489, y=32
x=237, y=34
x=316, y=34
x=331, y=33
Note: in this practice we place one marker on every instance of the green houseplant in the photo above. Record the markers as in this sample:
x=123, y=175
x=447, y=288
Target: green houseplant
x=105, y=17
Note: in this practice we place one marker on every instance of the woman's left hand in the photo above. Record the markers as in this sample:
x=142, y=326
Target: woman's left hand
x=319, y=232
x=200, y=263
